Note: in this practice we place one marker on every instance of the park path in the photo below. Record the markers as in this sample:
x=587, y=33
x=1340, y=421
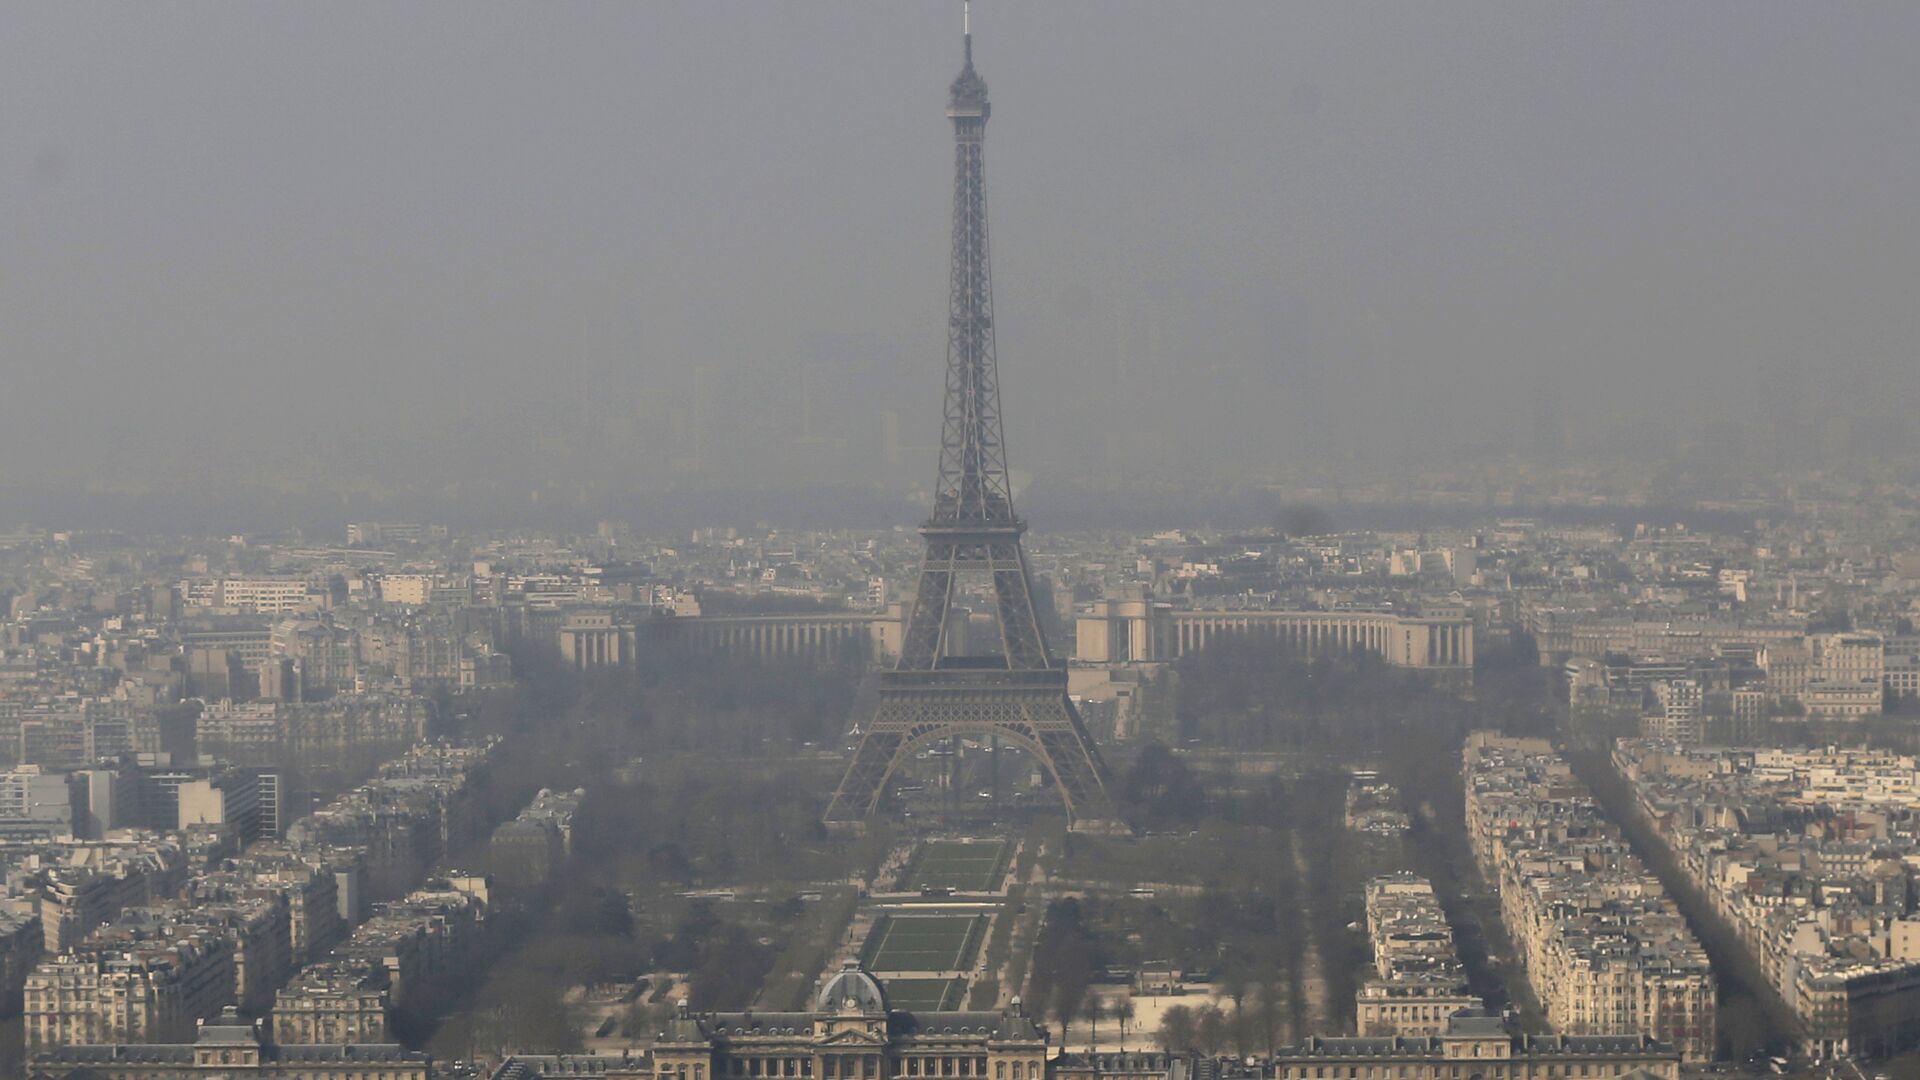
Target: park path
x=1313, y=981
x=1026, y=926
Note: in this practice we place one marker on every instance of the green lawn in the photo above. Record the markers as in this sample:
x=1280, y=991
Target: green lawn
x=959, y=865
x=926, y=995
x=924, y=942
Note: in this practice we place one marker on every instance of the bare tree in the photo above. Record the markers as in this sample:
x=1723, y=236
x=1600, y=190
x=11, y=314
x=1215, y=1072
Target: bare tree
x=1123, y=1014
x=1070, y=1001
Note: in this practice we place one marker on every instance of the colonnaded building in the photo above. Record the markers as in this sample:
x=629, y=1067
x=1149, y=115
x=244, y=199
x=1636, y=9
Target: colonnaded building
x=1126, y=628
x=599, y=637
x=1130, y=626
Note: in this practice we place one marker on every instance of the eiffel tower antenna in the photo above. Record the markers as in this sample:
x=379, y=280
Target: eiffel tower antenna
x=1020, y=694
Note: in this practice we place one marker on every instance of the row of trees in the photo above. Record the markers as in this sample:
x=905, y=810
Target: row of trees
x=1068, y=960
x=1245, y=692
x=673, y=697
x=1212, y=1030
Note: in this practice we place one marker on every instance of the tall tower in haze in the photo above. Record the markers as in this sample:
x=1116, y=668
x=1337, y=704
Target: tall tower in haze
x=1019, y=694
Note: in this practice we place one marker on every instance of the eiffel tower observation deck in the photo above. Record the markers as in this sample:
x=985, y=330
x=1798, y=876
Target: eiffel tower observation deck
x=1019, y=694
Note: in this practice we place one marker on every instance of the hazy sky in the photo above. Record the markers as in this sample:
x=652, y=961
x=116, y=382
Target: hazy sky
x=705, y=241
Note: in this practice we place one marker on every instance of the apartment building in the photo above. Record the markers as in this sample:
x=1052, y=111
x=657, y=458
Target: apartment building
x=1606, y=950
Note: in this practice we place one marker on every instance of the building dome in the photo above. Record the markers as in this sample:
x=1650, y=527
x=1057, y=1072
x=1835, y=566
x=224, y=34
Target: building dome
x=852, y=990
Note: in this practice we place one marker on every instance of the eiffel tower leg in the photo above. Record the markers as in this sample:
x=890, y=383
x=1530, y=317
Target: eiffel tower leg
x=926, y=632
x=873, y=761
x=1026, y=644
x=1074, y=762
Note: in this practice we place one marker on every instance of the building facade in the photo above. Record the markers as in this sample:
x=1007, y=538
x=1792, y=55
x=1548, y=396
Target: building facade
x=1476, y=1047
x=226, y=1047
x=852, y=1034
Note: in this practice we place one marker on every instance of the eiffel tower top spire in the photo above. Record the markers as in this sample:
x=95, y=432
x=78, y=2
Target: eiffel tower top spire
x=973, y=487
x=969, y=89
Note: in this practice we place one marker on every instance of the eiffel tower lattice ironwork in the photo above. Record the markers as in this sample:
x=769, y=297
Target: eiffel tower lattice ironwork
x=1019, y=695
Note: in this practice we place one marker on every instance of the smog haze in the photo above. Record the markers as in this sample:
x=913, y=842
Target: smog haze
x=540, y=255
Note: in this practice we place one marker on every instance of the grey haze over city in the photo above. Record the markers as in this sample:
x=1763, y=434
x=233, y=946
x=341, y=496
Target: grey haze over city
x=531, y=256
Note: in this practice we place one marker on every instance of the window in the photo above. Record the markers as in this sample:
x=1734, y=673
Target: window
x=999, y=1070
x=829, y=1067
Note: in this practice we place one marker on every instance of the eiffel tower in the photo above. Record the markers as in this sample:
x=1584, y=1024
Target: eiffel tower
x=1020, y=694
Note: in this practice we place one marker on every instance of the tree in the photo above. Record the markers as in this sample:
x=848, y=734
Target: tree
x=1243, y=1030
x=1177, y=1030
x=1071, y=1000
x=1210, y=1030
x=1302, y=519
x=1161, y=789
x=1235, y=980
x=1270, y=1004
x=1065, y=956
x=1095, y=1011
x=1123, y=1015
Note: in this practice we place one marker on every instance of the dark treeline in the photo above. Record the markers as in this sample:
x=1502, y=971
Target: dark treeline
x=673, y=698
x=1249, y=693
x=1246, y=694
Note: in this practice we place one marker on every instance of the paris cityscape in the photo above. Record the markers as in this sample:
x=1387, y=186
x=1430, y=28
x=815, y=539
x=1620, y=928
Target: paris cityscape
x=485, y=590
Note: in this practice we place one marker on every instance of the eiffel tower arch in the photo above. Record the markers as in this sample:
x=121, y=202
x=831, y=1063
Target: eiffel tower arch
x=1034, y=714
x=1020, y=693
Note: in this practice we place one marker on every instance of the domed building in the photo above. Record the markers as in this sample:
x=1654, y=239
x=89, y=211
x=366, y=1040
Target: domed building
x=851, y=1034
